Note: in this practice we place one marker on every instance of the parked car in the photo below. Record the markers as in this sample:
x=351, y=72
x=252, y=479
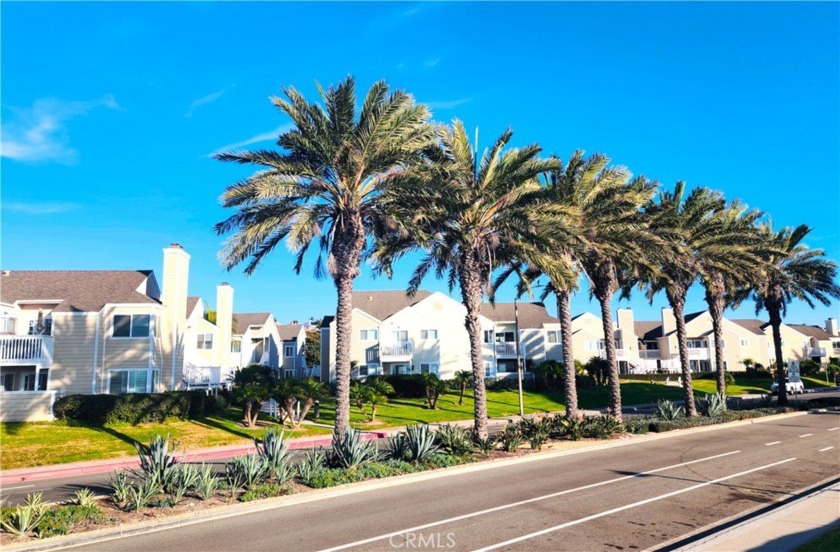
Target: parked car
x=795, y=386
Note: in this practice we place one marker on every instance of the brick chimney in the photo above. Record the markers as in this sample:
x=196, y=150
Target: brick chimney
x=176, y=274
x=224, y=324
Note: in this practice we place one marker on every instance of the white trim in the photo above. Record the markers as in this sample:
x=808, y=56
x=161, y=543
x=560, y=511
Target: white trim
x=95, y=352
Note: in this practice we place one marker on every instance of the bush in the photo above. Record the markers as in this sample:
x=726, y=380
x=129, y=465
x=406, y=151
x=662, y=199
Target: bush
x=266, y=490
x=60, y=520
x=136, y=408
x=667, y=410
x=454, y=439
x=808, y=367
x=351, y=450
x=405, y=385
x=601, y=427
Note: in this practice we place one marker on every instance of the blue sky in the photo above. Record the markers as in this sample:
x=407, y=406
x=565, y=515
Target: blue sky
x=110, y=112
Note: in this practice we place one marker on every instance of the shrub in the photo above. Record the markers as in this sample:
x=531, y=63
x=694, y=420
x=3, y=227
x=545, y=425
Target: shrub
x=265, y=490
x=454, y=439
x=351, y=450
x=601, y=427
x=157, y=462
x=207, y=483
x=571, y=427
x=25, y=519
x=808, y=367
x=667, y=410
x=84, y=497
x=485, y=445
x=711, y=405
x=511, y=438
x=60, y=520
x=535, y=430
x=415, y=444
x=313, y=461
x=246, y=471
x=135, y=408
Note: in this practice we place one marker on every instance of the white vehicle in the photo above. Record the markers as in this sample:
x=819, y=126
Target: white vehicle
x=795, y=386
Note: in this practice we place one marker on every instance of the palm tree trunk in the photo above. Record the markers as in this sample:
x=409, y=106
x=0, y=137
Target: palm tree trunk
x=373, y=413
x=775, y=313
x=461, y=396
x=564, y=313
x=604, y=295
x=305, y=410
x=714, y=298
x=471, y=292
x=678, y=304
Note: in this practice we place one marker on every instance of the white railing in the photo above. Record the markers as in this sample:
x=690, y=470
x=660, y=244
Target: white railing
x=505, y=349
x=650, y=354
x=203, y=375
x=32, y=349
x=698, y=354
x=817, y=352
x=399, y=351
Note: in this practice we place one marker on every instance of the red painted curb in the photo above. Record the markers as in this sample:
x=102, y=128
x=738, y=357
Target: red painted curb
x=58, y=471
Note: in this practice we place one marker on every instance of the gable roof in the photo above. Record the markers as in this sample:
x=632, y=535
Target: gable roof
x=382, y=304
x=691, y=316
x=531, y=315
x=811, y=331
x=191, y=303
x=754, y=325
x=245, y=319
x=78, y=290
x=326, y=321
x=647, y=330
x=289, y=332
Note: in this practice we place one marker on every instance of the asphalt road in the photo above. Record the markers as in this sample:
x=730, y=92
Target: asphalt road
x=631, y=497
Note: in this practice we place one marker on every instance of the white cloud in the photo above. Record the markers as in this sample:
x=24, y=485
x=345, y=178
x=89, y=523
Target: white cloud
x=448, y=104
x=255, y=139
x=204, y=100
x=39, y=133
x=46, y=208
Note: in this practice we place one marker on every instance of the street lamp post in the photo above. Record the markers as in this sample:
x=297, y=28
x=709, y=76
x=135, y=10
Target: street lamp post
x=518, y=355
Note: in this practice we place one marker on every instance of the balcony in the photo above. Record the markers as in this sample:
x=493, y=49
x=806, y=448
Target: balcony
x=816, y=351
x=26, y=349
x=652, y=354
x=202, y=375
x=698, y=354
x=505, y=349
x=396, y=352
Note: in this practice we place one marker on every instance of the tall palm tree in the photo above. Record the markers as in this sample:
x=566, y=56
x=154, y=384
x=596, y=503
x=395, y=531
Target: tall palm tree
x=462, y=378
x=703, y=238
x=727, y=268
x=328, y=185
x=470, y=214
x=791, y=270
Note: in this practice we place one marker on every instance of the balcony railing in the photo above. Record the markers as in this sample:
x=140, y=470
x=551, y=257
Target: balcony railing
x=26, y=349
x=203, y=375
x=396, y=351
x=817, y=351
x=506, y=349
x=652, y=354
x=698, y=354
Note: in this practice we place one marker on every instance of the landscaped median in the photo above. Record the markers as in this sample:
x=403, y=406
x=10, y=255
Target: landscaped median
x=163, y=487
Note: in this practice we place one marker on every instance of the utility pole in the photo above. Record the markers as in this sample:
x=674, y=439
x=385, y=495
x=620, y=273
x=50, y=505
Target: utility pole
x=518, y=355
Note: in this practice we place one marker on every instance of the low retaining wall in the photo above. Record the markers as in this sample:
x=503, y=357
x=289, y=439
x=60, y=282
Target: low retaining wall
x=26, y=406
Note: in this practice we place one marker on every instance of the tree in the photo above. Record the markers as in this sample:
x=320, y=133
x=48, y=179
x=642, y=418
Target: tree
x=726, y=262
x=695, y=230
x=311, y=390
x=328, y=184
x=469, y=214
x=434, y=388
x=463, y=378
x=376, y=392
x=312, y=348
x=790, y=270
x=251, y=386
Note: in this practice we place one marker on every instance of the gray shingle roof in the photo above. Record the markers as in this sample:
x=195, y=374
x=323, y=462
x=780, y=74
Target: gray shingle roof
x=289, y=332
x=647, y=330
x=531, y=315
x=78, y=290
x=191, y=303
x=383, y=304
x=811, y=331
x=754, y=325
x=245, y=319
x=326, y=321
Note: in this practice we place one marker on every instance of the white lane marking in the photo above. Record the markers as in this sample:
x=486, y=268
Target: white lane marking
x=806, y=435
x=833, y=428
x=772, y=443
x=18, y=487
x=629, y=506
x=825, y=449
x=521, y=502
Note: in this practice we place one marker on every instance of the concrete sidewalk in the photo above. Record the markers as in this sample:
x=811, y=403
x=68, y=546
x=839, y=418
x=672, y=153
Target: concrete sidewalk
x=779, y=530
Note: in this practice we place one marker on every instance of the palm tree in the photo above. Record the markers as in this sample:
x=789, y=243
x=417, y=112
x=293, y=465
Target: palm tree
x=434, y=388
x=328, y=185
x=791, y=270
x=375, y=392
x=724, y=267
x=462, y=378
x=470, y=214
x=311, y=390
x=693, y=226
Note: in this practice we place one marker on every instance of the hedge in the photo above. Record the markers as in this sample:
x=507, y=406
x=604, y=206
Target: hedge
x=405, y=385
x=137, y=408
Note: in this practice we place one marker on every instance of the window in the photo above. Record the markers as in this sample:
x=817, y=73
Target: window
x=428, y=334
x=8, y=382
x=488, y=336
x=745, y=343
x=129, y=381
x=363, y=370
x=488, y=370
x=45, y=329
x=554, y=337
x=205, y=341
x=592, y=345
x=235, y=346
x=29, y=382
x=400, y=335
x=132, y=325
x=504, y=337
x=698, y=344
x=43, y=376
x=289, y=350
x=428, y=368
x=506, y=366
x=290, y=373
x=369, y=335
x=7, y=325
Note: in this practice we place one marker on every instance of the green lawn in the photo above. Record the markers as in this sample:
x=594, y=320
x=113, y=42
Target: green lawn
x=44, y=443
x=827, y=542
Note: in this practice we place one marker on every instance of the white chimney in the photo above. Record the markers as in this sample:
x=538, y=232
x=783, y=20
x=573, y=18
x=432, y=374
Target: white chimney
x=224, y=323
x=669, y=321
x=624, y=318
x=831, y=327
x=176, y=275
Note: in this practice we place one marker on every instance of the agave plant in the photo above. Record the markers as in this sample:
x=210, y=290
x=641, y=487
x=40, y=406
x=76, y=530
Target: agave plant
x=185, y=479
x=157, y=461
x=601, y=427
x=84, y=497
x=25, y=519
x=485, y=445
x=120, y=485
x=349, y=450
x=138, y=496
x=712, y=405
x=207, y=483
x=667, y=410
x=511, y=438
x=274, y=449
x=247, y=470
x=572, y=427
x=454, y=440
x=420, y=442
x=313, y=461
x=398, y=446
